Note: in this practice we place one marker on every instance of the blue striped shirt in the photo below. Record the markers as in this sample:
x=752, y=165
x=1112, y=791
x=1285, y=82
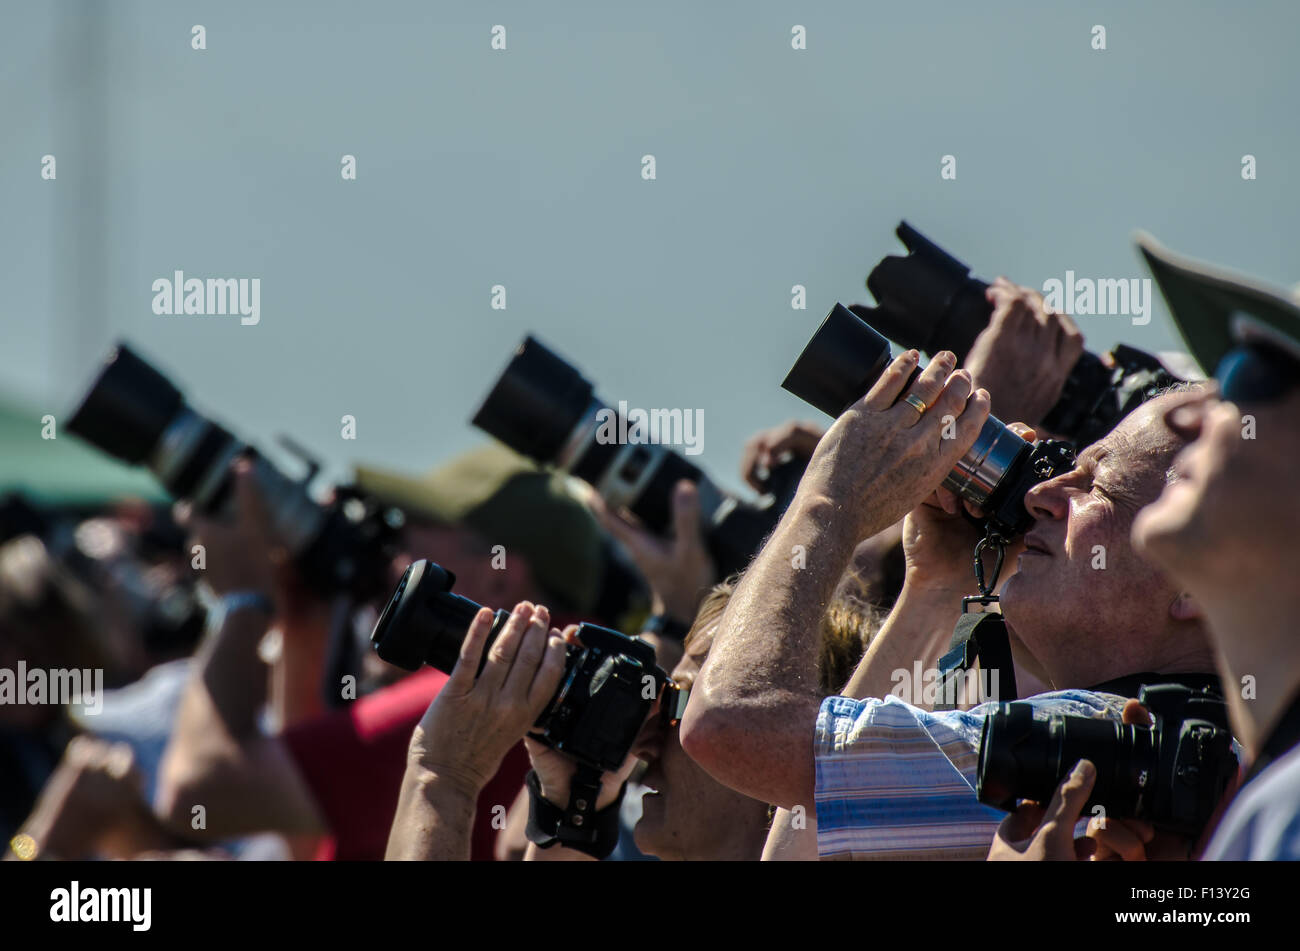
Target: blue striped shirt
x=898, y=782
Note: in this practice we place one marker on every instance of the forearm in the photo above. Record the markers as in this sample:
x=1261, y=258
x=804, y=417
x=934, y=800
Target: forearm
x=434, y=819
x=298, y=677
x=919, y=628
x=750, y=719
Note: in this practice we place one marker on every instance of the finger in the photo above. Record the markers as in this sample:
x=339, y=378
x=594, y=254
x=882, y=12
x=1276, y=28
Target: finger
x=1020, y=825
x=947, y=500
x=1134, y=714
x=531, y=648
x=1117, y=837
x=950, y=401
x=970, y=421
x=686, y=516
x=1024, y=431
x=571, y=635
x=631, y=537
x=890, y=385
x=927, y=387
x=750, y=458
x=1069, y=343
x=471, y=650
x=1085, y=849
x=1069, y=799
x=547, y=679
x=501, y=655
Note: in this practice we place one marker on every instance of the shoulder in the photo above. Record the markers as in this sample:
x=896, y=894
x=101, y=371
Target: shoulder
x=1263, y=822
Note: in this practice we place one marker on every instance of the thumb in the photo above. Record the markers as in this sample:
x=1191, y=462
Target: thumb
x=1070, y=798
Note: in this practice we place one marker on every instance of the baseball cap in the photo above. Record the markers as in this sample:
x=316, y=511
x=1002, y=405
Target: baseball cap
x=1216, y=309
x=510, y=501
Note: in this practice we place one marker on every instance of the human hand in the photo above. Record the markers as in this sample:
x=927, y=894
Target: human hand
x=1025, y=354
x=679, y=569
x=938, y=541
x=1035, y=834
x=555, y=770
x=473, y=723
x=881, y=458
x=764, y=450
x=1132, y=840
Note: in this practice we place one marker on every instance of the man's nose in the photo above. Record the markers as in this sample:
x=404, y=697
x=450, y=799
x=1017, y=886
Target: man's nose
x=1186, y=413
x=1047, y=500
x=649, y=742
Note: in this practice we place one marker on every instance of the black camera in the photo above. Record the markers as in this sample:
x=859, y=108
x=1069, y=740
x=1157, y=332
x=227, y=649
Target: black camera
x=134, y=413
x=928, y=300
x=842, y=362
x=610, y=682
x=1171, y=774
x=543, y=408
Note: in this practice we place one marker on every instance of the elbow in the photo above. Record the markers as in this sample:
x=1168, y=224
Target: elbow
x=704, y=733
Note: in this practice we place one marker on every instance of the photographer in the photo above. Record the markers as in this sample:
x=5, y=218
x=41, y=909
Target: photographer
x=1244, y=446
x=888, y=778
x=337, y=773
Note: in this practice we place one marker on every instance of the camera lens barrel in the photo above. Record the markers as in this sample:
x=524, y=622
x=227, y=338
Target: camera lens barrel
x=425, y=623
x=128, y=408
x=536, y=404
x=842, y=362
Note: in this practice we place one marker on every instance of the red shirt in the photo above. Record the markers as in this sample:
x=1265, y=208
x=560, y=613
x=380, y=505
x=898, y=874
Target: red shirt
x=353, y=761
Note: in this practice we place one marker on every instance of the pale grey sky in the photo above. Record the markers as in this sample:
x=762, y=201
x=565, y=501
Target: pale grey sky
x=522, y=167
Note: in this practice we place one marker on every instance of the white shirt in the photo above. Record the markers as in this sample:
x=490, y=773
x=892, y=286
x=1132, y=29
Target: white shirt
x=1263, y=822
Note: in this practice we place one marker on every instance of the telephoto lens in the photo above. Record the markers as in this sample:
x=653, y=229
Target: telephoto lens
x=610, y=683
x=545, y=409
x=1172, y=774
x=135, y=414
x=928, y=300
x=842, y=362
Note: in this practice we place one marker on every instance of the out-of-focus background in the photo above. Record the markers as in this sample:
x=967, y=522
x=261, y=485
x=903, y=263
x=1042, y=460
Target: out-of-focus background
x=522, y=167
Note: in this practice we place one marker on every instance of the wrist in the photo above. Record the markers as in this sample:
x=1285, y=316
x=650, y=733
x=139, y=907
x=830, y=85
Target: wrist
x=444, y=784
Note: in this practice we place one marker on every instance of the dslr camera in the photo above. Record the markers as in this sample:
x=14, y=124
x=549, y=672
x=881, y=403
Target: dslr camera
x=842, y=362
x=610, y=682
x=928, y=300
x=1171, y=774
x=543, y=408
x=135, y=414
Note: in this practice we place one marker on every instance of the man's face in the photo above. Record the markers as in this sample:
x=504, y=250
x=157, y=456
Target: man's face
x=1081, y=600
x=1227, y=516
x=690, y=814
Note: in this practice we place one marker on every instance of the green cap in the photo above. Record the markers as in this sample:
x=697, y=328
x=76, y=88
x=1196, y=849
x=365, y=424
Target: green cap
x=1216, y=309
x=510, y=501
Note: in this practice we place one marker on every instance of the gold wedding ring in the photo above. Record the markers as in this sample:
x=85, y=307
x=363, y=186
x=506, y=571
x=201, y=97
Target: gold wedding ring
x=914, y=401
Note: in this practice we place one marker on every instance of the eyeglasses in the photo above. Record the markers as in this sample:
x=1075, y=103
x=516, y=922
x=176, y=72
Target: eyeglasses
x=1257, y=373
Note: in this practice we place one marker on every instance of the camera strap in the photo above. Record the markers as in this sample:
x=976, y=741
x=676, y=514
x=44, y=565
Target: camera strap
x=578, y=825
x=979, y=638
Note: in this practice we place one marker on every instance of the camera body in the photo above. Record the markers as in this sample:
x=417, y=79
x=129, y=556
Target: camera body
x=545, y=409
x=1171, y=774
x=842, y=362
x=929, y=300
x=610, y=684
x=135, y=414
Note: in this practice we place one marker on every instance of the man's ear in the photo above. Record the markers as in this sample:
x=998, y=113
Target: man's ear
x=1185, y=608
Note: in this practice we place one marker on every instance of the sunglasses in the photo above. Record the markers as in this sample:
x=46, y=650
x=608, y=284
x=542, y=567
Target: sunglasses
x=1257, y=373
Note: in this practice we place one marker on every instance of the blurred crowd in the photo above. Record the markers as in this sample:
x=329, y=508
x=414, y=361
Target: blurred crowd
x=1126, y=623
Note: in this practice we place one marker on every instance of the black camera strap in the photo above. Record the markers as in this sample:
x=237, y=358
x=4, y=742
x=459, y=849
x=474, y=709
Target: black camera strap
x=979, y=638
x=578, y=825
